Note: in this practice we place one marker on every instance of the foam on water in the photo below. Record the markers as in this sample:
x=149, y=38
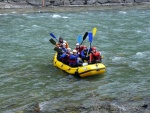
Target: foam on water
x=56, y=16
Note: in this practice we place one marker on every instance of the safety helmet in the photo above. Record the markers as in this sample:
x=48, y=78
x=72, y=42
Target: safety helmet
x=64, y=44
x=93, y=48
x=60, y=38
x=74, y=51
x=68, y=48
x=77, y=44
x=64, y=41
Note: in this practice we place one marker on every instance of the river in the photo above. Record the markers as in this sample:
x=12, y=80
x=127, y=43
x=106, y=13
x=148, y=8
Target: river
x=28, y=75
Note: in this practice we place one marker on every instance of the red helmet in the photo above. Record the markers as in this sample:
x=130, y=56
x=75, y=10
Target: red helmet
x=93, y=48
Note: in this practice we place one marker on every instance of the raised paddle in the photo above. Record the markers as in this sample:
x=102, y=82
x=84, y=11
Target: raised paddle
x=52, y=41
x=90, y=38
x=79, y=39
x=84, y=37
x=90, y=35
x=52, y=35
x=58, y=50
x=94, y=31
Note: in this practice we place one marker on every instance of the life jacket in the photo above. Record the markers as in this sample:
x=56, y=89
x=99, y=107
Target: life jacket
x=95, y=56
x=79, y=49
x=65, y=57
x=73, y=59
x=59, y=44
x=64, y=49
x=84, y=53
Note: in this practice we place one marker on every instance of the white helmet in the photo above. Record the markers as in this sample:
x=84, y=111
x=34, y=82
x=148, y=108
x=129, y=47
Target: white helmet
x=77, y=44
x=74, y=51
x=64, y=41
x=68, y=48
x=64, y=44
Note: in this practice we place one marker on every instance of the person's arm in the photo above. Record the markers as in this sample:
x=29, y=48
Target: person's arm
x=82, y=53
x=90, y=60
x=63, y=55
x=72, y=57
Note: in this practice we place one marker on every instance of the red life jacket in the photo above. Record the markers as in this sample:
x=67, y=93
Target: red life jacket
x=79, y=49
x=95, y=56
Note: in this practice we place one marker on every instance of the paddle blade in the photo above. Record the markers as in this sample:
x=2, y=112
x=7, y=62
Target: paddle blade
x=58, y=50
x=94, y=31
x=79, y=40
x=52, y=41
x=90, y=37
x=52, y=35
x=85, y=35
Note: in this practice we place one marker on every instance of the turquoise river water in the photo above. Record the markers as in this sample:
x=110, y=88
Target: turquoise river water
x=27, y=74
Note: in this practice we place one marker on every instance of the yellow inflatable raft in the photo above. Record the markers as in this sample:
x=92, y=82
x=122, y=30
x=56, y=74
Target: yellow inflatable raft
x=82, y=71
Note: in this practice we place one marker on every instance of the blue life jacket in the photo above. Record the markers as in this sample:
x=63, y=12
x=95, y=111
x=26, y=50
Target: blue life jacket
x=73, y=59
x=64, y=49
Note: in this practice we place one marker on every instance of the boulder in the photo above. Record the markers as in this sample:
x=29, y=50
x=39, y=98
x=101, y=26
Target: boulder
x=90, y=2
x=139, y=1
x=116, y=1
x=78, y=2
x=66, y=2
x=38, y=2
x=129, y=1
x=102, y=1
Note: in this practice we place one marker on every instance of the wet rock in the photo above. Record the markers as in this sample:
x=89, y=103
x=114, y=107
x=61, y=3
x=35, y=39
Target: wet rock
x=32, y=108
x=145, y=106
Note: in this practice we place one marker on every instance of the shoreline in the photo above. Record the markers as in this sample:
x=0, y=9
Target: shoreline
x=27, y=8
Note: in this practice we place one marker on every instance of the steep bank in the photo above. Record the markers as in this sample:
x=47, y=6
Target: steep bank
x=24, y=7
x=75, y=2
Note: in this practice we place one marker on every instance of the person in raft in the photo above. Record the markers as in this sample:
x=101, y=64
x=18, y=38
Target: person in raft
x=67, y=45
x=64, y=50
x=74, y=59
x=85, y=53
x=65, y=56
x=61, y=41
x=95, y=56
x=79, y=48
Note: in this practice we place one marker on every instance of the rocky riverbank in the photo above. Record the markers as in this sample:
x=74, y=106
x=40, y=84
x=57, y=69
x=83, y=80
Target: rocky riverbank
x=67, y=5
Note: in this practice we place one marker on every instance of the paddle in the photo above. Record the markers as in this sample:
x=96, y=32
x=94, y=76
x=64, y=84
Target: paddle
x=52, y=41
x=90, y=35
x=94, y=31
x=58, y=50
x=79, y=40
x=84, y=37
x=53, y=36
x=90, y=38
